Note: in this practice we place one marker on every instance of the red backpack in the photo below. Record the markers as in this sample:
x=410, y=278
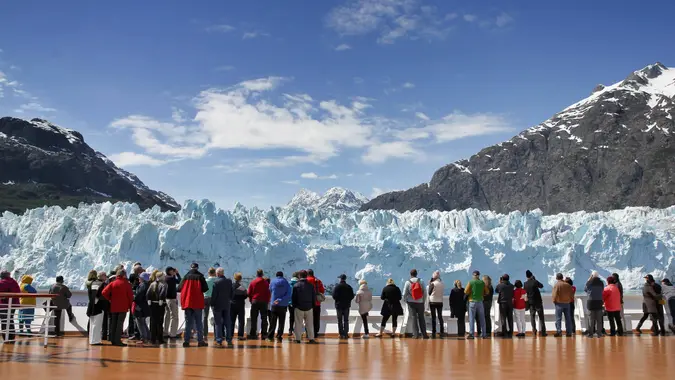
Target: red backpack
x=416, y=290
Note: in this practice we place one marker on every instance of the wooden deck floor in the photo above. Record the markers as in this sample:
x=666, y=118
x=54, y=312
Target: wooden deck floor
x=530, y=358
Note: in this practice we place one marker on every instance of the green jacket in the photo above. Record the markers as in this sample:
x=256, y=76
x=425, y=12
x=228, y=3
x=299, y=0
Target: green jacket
x=476, y=290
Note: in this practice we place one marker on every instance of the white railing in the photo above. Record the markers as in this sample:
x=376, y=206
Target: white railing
x=10, y=317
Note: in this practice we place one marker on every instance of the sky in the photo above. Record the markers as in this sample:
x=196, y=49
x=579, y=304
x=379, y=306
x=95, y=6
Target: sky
x=249, y=101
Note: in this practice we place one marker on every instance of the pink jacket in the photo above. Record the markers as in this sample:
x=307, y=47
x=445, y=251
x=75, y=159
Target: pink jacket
x=612, y=298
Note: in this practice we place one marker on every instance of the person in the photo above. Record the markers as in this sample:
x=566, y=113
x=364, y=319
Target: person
x=612, y=300
x=95, y=308
x=562, y=296
x=435, y=290
x=593, y=289
x=291, y=311
x=141, y=308
x=192, y=288
x=391, y=307
x=133, y=330
x=304, y=298
x=619, y=285
x=572, y=307
x=157, y=297
x=668, y=294
x=320, y=291
x=519, y=297
x=121, y=298
x=415, y=297
x=171, y=317
x=487, y=307
x=26, y=313
x=343, y=294
x=504, y=292
x=280, y=290
x=476, y=291
x=8, y=285
x=458, y=301
x=364, y=298
x=61, y=302
x=238, y=306
x=207, y=299
x=91, y=277
x=221, y=298
x=660, y=314
x=259, y=296
x=536, y=304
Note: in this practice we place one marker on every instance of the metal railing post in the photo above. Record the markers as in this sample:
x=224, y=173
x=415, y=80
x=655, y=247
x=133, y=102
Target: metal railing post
x=9, y=319
x=47, y=321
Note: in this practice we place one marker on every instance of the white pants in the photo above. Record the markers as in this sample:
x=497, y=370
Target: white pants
x=95, y=327
x=171, y=318
x=520, y=320
x=306, y=319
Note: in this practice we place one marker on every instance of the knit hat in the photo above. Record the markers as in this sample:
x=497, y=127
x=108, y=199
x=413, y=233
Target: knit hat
x=528, y=274
x=145, y=276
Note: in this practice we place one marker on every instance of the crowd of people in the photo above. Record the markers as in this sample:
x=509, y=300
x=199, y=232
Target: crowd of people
x=144, y=295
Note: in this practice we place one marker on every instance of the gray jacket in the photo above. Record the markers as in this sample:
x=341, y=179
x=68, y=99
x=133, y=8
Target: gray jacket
x=407, y=297
x=650, y=298
x=62, y=300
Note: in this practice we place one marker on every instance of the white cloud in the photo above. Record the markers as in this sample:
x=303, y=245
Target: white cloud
x=408, y=85
x=503, y=19
x=470, y=18
x=291, y=182
x=225, y=68
x=451, y=16
x=312, y=175
x=261, y=84
x=223, y=28
x=128, y=159
x=251, y=35
x=422, y=115
x=342, y=47
x=34, y=107
x=178, y=115
x=379, y=153
x=377, y=191
x=457, y=126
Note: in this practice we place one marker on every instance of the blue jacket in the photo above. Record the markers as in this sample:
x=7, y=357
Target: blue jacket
x=293, y=281
x=281, y=291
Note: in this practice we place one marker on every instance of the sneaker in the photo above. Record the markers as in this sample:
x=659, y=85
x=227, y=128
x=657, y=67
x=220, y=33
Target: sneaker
x=312, y=341
x=271, y=339
x=543, y=334
x=297, y=341
x=119, y=345
x=132, y=338
x=229, y=343
x=202, y=344
x=637, y=330
x=366, y=336
x=218, y=345
x=186, y=344
x=485, y=337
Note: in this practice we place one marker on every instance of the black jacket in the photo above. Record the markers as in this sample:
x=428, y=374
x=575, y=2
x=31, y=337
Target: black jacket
x=532, y=287
x=142, y=308
x=457, y=302
x=239, y=296
x=343, y=294
x=391, y=295
x=304, y=295
x=222, y=294
x=505, y=291
x=97, y=303
x=487, y=299
x=172, y=283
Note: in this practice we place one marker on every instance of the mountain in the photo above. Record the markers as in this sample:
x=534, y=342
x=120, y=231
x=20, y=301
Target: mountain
x=43, y=164
x=335, y=198
x=611, y=150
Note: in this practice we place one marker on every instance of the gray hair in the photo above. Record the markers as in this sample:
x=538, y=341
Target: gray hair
x=595, y=274
x=220, y=272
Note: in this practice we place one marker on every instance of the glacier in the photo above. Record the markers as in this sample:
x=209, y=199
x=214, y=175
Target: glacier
x=371, y=245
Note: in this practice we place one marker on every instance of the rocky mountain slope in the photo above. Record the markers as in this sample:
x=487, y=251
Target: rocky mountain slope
x=611, y=150
x=43, y=164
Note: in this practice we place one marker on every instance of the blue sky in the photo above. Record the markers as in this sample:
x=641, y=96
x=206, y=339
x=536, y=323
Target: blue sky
x=250, y=101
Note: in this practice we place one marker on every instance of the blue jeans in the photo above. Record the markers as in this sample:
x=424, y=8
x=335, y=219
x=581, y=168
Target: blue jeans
x=476, y=310
x=223, y=325
x=142, y=327
x=193, y=320
x=343, y=321
x=560, y=309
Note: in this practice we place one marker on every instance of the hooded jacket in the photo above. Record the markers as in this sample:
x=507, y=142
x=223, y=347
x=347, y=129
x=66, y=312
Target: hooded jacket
x=281, y=292
x=650, y=298
x=119, y=294
x=532, y=286
x=63, y=294
x=9, y=285
x=294, y=280
x=457, y=300
x=668, y=291
x=594, y=288
x=26, y=287
x=94, y=292
x=318, y=287
x=157, y=291
x=192, y=288
x=239, y=298
x=172, y=284
x=612, y=298
x=364, y=298
x=141, y=306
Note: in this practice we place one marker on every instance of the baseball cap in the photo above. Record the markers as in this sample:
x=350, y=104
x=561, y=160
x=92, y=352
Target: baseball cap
x=194, y=266
x=476, y=273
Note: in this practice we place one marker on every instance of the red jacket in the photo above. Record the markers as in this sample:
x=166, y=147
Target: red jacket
x=9, y=285
x=259, y=290
x=192, y=288
x=120, y=295
x=518, y=301
x=612, y=298
x=318, y=287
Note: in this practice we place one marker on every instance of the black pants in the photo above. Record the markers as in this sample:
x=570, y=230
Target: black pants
x=364, y=319
x=132, y=329
x=104, y=326
x=487, y=307
x=661, y=318
x=117, y=327
x=156, y=323
x=461, y=324
x=278, y=315
x=573, y=320
x=506, y=318
x=317, y=320
x=394, y=322
x=343, y=321
x=205, y=316
x=534, y=310
x=58, y=314
x=437, y=312
x=671, y=306
x=238, y=313
x=615, y=323
x=258, y=308
x=10, y=318
x=291, y=319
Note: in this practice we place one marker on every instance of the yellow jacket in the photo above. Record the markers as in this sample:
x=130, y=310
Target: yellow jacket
x=26, y=287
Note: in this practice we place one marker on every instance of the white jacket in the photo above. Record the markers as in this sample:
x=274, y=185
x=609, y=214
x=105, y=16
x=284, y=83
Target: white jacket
x=364, y=298
x=435, y=290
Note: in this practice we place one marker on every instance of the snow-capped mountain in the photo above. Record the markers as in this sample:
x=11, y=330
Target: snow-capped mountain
x=44, y=164
x=335, y=198
x=611, y=150
x=374, y=245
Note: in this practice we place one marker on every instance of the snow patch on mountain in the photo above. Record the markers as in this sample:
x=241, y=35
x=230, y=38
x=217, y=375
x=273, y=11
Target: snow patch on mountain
x=336, y=198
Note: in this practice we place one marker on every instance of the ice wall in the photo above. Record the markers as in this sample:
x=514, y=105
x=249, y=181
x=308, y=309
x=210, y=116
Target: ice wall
x=373, y=245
